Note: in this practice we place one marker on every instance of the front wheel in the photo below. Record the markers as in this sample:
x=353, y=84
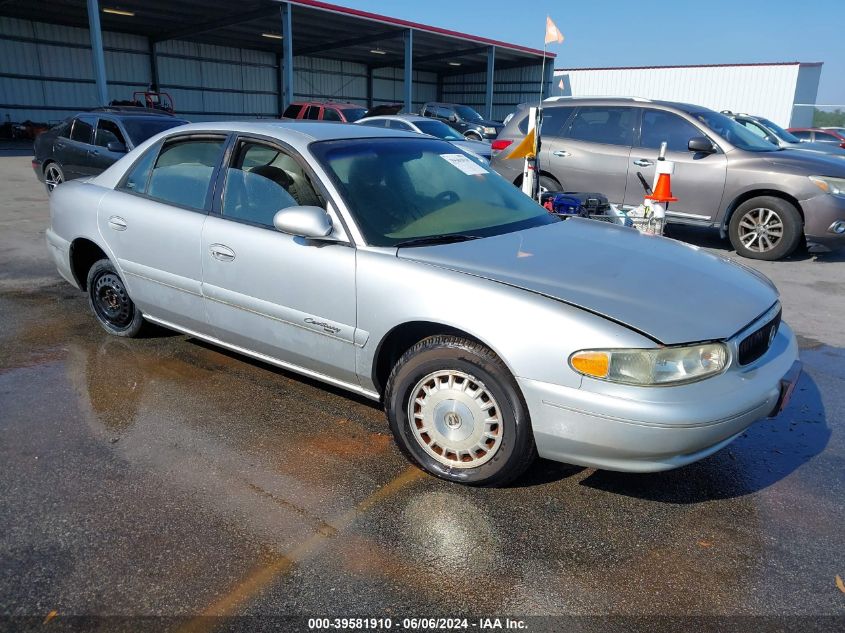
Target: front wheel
x=110, y=302
x=765, y=228
x=473, y=136
x=455, y=410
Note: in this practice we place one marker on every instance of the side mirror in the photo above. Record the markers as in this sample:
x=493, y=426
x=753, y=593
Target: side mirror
x=453, y=118
x=116, y=146
x=308, y=222
x=771, y=139
x=701, y=144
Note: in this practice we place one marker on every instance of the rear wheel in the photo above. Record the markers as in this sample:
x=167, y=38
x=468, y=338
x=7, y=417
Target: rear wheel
x=765, y=228
x=53, y=176
x=110, y=302
x=456, y=411
x=473, y=136
x=547, y=183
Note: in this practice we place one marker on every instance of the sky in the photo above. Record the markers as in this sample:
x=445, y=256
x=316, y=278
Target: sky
x=652, y=32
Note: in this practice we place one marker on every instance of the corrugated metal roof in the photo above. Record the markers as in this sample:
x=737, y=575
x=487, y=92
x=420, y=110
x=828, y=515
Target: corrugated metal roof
x=696, y=66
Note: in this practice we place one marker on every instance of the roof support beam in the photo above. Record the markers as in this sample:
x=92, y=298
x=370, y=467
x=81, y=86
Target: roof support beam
x=409, y=71
x=217, y=23
x=97, y=52
x=153, y=65
x=488, y=93
x=355, y=41
x=287, y=57
x=397, y=62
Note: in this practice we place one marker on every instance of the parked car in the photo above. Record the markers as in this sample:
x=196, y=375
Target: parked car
x=764, y=198
x=819, y=135
x=464, y=119
x=432, y=127
x=86, y=144
x=396, y=266
x=776, y=135
x=324, y=111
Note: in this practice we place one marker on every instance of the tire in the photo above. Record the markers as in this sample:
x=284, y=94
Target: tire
x=54, y=175
x=465, y=381
x=110, y=302
x=473, y=136
x=547, y=183
x=765, y=228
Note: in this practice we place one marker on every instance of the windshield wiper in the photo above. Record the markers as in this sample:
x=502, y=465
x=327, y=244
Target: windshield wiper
x=447, y=238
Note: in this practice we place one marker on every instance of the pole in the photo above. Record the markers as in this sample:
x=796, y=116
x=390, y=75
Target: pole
x=491, y=70
x=97, y=52
x=287, y=45
x=409, y=71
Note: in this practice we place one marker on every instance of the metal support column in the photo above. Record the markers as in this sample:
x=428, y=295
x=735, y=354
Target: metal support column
x=409, y=71
x=280, y=105
x=153, y=65
x=549, y=76
x=370, y=72
x=287, y=45
x=440, y=86
x=97, y=52
x=491, y=70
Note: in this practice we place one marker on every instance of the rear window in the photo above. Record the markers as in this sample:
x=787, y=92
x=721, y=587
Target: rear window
x=82, y=131
x=353, y=114
x=293, y=110
x=140, y=129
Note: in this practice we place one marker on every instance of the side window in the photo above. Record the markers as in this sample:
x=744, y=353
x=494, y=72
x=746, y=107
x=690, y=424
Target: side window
x=553, y=121
x=803, y=135
x=374, y=122
x=428, y=111
x=83, y=130
x=330, y=114
x=443, y=113
x=824, y=137
x=659, y=126
x=63, y=128
x=138, y=176
x=183, y=171
x=313, y=113
x=393, y=124
x=263, y=180
x=292, y=111
x=610, y=126
x=753, y=127
x=108, y=132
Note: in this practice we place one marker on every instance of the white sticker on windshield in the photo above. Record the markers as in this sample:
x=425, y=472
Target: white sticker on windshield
x=464, y=164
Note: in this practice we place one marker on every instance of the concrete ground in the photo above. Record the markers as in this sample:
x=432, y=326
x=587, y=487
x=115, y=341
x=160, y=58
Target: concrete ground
x=164, y=477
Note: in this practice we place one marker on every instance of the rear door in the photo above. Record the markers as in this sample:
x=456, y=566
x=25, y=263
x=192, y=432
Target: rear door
x=101, y=157
x=699, y=179
x=591, y=151
x=73, y=153
x=153, y=222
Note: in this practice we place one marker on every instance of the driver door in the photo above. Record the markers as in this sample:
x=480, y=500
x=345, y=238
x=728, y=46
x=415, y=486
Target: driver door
x=272, y=293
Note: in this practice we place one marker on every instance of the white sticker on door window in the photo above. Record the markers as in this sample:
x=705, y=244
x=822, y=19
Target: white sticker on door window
x=464, y=164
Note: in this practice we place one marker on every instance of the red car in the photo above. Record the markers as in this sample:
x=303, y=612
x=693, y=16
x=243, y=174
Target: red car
x=819, y=135
x=324, y=111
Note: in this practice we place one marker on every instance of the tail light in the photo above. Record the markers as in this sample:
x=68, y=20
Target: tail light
x=499, y=144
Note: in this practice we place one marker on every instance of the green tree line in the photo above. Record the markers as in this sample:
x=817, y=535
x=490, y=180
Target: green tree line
x=835, y=118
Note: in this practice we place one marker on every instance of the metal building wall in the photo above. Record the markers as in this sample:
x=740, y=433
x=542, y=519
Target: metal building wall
x=388, y=87
x=763, y=90
x=511, y=86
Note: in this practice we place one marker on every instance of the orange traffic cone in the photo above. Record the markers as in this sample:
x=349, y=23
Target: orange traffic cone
x=663, y=190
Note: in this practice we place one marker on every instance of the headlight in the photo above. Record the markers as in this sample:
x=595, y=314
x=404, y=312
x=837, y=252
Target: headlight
x=835, y=186
x=489, y=130
x=661, y=366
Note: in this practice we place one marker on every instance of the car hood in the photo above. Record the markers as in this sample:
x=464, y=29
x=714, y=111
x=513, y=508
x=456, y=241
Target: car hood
x=477, y=147
x=824, y=148
x=672, y=292
x=487, y=123
x=808, y=163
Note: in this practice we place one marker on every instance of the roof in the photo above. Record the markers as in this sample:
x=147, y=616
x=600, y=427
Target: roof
x=694, y=66
x=320, y=29
x=307, y=131
x=340, y=105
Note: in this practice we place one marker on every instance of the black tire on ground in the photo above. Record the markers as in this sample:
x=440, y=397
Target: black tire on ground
x=516, y=449
x=54, y=175
x=547, y=183
x=110, y=302
x=781, y=228
x=473, y=136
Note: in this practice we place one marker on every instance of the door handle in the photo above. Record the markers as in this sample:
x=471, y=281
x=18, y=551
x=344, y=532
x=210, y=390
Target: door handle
x=117, y=223
x=562, y=153
x=643, y=162
x=221, y=252
x=93, y=152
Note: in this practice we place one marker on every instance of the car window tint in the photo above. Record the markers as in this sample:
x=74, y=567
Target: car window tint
x=82, y=130
x=330, y=114
x=374, y=122
x=553, y=121
x=610, y=126
x=659, y=126
x=263, y=180
x=824, y=137
x=313, y=113
x=292, y=111
x=108, y=132
x=139, y=174
x=443, y=113
x=63, y=128
x=803, y=135
x=183, y=172
x=140, y=129
x=393, y=124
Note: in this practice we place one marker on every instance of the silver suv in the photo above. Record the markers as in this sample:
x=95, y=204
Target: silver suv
x=763, y=197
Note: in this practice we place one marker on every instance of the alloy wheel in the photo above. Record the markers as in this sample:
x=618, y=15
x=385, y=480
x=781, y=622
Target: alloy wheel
x=760, y=230
x=53, y=177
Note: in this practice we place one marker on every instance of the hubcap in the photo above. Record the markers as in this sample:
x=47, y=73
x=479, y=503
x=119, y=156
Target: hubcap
x=760, y=230
x=52, y=177
x=111, y=302
x=455, y=419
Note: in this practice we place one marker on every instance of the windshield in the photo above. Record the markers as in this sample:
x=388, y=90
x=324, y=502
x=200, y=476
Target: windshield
x=140, y=130
x=401, y=189
x=779, y=131
x=734, y=133
x=353, y=114
x=439, y=129
x=468, y=114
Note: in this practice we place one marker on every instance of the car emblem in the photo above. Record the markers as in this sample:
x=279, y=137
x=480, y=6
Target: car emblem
x=773, y=330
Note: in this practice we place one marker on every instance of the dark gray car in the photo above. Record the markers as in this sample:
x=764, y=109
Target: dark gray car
x=766, y=199
x=464, y=119
x=86, y=144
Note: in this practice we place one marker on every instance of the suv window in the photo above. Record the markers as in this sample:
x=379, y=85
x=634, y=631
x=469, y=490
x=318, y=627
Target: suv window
x=599, y=124
x=313, y=113
x=183, y=171
x=443, y=113
x=260, y=181
x=659, y=126
x=292, y=111
x=553, y=120
x=83, y=129
x=330, y=114
x=108, y=132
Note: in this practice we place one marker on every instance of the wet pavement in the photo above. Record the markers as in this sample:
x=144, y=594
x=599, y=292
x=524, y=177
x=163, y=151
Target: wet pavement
x=164, y=477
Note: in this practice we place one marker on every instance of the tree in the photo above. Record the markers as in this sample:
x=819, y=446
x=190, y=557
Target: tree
x=829, y=119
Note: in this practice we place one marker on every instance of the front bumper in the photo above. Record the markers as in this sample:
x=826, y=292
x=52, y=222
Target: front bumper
x=648, y=429
x=820, y=214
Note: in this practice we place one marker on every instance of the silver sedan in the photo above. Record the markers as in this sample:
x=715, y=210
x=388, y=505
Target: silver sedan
x=397, y=266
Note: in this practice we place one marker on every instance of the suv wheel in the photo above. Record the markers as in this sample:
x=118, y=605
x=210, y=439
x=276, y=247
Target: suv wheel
x=766, y=228
x=472, y=135
x=547, y=183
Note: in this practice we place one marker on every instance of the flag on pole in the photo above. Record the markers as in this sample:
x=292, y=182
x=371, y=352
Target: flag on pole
x=526, y=147
x=553, y=34
x=560, y=85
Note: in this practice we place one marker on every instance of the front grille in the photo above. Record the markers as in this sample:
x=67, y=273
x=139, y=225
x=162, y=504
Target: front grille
x=757, y=343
